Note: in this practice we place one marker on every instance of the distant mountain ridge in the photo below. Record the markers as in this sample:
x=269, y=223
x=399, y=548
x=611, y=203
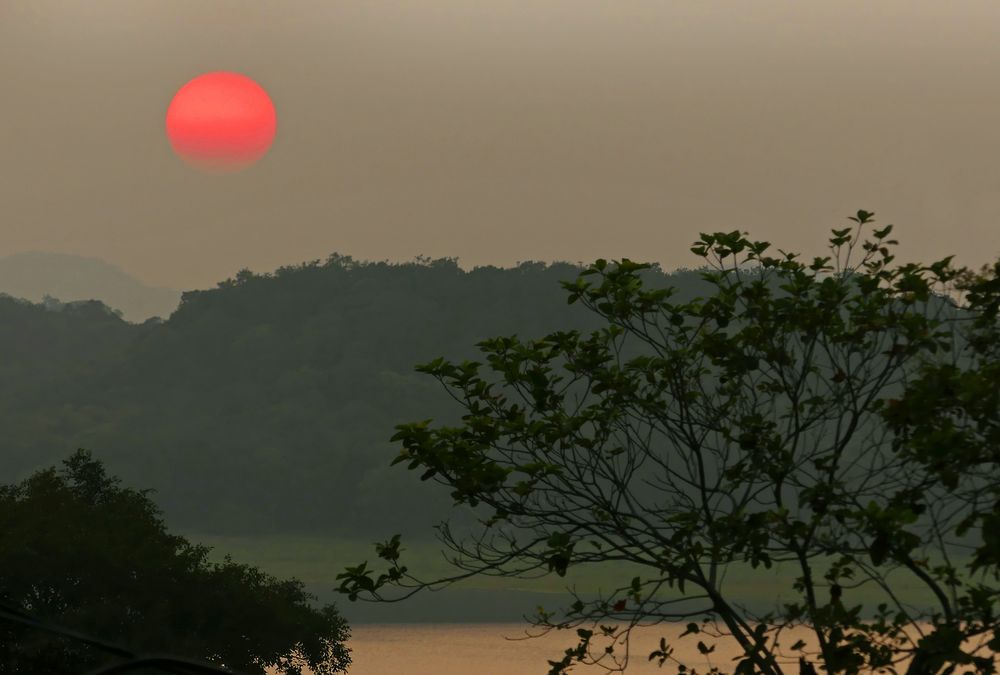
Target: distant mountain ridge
x=69, y=278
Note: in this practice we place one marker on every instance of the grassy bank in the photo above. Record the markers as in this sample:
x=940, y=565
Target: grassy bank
x=317, y=560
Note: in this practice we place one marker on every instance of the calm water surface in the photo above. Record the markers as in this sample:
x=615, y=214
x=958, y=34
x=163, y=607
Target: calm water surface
x=481, y=649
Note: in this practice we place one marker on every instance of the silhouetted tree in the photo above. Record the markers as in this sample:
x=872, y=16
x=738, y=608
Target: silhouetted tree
x=759, y=425
x=947, y=421
x=79, y=550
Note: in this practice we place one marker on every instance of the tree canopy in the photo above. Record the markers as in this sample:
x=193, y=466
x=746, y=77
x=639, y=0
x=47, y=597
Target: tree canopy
x=837, y=418
x=80, y=551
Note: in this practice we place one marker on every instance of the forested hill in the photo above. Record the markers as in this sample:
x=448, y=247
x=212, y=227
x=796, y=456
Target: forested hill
x=267, y=403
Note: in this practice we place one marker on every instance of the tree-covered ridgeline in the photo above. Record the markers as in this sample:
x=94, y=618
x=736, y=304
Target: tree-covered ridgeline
x=266, y=404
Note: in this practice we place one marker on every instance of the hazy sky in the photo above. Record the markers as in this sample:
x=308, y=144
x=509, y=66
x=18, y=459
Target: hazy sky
x=501, y=130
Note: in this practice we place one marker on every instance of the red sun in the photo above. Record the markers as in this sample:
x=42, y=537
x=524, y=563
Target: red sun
x=221, y=122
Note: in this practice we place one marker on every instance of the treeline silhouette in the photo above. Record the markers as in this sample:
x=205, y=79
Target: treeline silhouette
x=266, y=404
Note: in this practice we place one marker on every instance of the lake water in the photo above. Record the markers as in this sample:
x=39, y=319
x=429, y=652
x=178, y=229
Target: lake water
x=481, y=649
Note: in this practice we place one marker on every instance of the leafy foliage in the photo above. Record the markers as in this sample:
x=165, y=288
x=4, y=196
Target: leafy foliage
x=82, y=551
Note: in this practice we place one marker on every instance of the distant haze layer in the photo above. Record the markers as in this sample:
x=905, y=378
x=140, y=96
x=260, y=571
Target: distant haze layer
x=499, y=131
x=69, y=278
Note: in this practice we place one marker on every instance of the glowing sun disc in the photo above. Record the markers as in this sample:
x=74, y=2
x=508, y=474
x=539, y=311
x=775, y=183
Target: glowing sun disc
x=221, y=122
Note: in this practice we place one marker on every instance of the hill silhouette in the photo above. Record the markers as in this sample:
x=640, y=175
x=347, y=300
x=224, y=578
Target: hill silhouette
x=266, y=404
x=34, y=275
